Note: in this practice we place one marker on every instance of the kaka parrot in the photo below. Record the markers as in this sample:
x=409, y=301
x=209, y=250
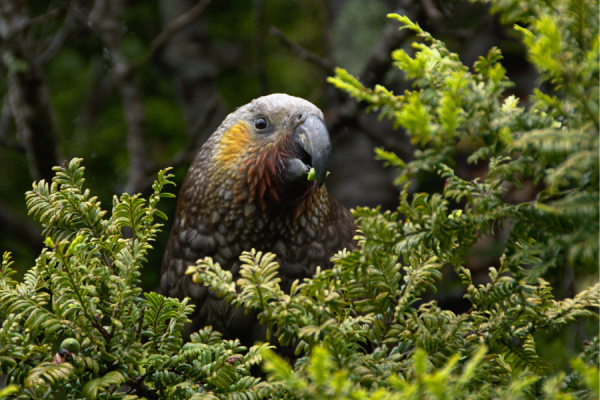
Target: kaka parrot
x=248, y=188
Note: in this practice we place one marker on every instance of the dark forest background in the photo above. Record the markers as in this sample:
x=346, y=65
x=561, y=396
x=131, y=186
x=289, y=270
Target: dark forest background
x=135, y=86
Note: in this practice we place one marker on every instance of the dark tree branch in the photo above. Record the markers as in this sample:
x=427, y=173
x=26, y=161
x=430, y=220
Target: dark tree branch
x=135, y=116
x=176, y=25
x=198, y=130
x=29, y=99
x=194, y=65
x=61, y=36
x=5, y=124
x=301, y=51
x=106, y=17
x=390, y=142
x=31, y=109
x=374, y=71
x=392, y=37
x=346, y=110
x=14, y=19
x=50, y=15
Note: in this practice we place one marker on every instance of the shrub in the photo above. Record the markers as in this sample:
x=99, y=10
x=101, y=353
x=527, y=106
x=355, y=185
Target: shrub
x=84, y=287
x=359, y=330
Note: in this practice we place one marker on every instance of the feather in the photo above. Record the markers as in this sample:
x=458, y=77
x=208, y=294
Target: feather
x=235, y=197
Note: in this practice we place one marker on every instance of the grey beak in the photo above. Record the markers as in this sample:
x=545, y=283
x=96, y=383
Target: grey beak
x=312, y=136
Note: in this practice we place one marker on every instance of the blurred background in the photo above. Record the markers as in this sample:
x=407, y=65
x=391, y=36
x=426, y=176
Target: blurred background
x=136, y=86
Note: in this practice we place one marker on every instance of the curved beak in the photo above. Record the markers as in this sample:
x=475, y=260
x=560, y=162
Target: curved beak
x=312, y=137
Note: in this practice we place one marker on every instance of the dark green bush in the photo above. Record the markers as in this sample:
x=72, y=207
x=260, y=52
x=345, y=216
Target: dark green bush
x=360, y=330
x=84, y=286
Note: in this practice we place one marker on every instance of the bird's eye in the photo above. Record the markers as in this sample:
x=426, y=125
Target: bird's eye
x=260, y=123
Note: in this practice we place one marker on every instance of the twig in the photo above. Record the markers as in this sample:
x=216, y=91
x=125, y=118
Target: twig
x=28, y=94
x=301, y=51
x=106, y=17
x=380, y=61
x=135, y=116
x=34, y=118
x=5, y=119
x=348, y=111
x=176, y=25
x=390, y=142
x=61, y=36
x=199, y=127
x=50, y=15
x=14, y=20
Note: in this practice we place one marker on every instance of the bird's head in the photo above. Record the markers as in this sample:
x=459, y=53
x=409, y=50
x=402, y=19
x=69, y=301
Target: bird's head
x=269, y=146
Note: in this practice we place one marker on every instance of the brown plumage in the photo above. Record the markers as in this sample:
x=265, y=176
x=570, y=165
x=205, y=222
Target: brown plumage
x=248, y=188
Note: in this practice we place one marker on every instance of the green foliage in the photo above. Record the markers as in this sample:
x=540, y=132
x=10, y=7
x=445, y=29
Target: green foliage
x=361, y=330
x=84, y=289
x=359, y=335
x=551, y=143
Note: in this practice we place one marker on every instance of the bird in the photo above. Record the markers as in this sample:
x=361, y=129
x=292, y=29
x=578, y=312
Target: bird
x=248, y=188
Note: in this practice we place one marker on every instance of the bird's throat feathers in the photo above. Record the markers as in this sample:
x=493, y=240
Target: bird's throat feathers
x=258, y=168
